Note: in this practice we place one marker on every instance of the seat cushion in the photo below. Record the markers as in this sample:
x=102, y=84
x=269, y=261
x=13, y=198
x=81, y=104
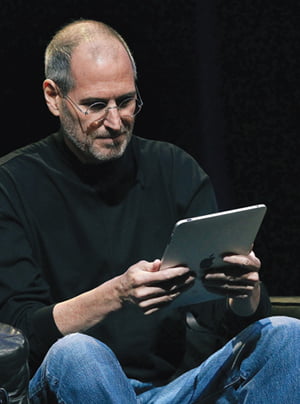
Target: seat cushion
x=286, y=306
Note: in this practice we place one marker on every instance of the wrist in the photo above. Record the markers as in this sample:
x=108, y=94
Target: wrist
x=87, y=309
x=246, y=306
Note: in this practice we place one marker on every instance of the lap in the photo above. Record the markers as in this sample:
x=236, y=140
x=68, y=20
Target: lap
x=237, y=361
x=241, y=368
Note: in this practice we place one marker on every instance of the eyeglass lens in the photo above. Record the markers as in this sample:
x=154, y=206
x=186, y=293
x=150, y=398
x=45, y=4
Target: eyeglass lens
x=127, y=107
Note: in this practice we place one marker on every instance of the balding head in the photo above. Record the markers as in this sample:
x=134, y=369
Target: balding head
x=101, y=40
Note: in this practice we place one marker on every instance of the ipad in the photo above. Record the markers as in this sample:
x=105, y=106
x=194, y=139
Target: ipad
x=201, y=242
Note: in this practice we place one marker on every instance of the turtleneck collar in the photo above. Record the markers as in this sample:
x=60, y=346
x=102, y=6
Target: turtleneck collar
x=111, y=179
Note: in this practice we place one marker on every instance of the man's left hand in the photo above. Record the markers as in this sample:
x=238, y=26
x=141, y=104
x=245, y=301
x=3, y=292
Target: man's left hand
x=239, y=281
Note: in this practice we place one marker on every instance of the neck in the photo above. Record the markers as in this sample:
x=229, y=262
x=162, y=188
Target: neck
x=83, y=157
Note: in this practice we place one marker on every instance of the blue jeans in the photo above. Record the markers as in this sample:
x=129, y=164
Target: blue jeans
x=261, y=365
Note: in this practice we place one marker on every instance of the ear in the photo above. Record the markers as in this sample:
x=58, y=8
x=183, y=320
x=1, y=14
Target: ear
x=52, y=96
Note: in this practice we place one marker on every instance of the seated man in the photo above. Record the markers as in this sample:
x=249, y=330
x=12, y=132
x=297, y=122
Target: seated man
x=85, y=216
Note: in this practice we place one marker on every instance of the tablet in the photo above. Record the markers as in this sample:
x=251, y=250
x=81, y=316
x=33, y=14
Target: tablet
x=201, y=242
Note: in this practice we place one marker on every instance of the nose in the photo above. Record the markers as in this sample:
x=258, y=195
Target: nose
x=112, y=118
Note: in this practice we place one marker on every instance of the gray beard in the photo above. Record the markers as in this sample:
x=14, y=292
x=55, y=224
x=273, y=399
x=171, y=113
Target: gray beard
x=116, y=150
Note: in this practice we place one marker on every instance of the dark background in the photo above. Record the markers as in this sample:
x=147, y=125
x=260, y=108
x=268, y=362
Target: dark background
x=218, y=78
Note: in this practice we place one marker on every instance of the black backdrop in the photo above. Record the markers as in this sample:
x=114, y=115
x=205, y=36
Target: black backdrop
x=220, y=78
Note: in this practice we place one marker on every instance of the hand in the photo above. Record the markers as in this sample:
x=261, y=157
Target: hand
x=145, y=285
x=239, y=281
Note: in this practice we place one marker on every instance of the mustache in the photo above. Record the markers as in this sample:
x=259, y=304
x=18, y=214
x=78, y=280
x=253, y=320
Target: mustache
x=107, y=134
x=91, y=131
x=110, y=134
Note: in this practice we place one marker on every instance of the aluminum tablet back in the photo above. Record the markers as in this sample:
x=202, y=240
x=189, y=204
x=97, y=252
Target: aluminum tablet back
x=201, y=242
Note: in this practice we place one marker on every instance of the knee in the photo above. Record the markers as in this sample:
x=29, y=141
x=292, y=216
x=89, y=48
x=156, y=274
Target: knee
x=283, y=325
x=283, y=333
x=76, y=367
x=77, y=343
x=276, y=334
x=78, y=348
x=268, y=340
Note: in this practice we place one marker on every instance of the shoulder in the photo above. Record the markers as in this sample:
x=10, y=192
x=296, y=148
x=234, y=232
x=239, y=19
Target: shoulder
x=24, y=169
x=157, y=148
x=26, y=153
x=171, y=171
x=165, y=155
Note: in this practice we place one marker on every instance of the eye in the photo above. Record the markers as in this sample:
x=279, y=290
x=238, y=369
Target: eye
x=96, y=107
x=127, y=103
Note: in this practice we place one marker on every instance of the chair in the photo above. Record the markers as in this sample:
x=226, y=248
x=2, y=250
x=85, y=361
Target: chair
x=14, y=370
x=286, y=306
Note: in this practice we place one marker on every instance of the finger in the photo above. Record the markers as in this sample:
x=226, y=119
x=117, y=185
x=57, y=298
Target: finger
x=168, y=274
x=149, y=266
x=231, y=290
x=153, y=304
x=249, y=261
x=231, y=278
x=163, y=289
x=155, y=266
x=143, y=274
x=157, y=302
x=171, y=284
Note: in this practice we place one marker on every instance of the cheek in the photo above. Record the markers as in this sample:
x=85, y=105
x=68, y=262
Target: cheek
x=72, y=125
x=129, y=124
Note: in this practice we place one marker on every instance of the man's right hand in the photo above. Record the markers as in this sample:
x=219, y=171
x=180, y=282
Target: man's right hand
x=145, y=285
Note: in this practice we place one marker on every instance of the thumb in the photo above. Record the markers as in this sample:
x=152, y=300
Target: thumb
x=155, y=266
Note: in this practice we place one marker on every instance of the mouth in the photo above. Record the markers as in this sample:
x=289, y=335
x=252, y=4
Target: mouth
x=110, y=136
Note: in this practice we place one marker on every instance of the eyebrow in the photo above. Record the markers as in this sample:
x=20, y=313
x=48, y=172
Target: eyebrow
x=91, y=100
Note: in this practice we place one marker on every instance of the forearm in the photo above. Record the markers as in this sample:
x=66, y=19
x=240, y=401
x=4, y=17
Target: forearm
x=139, y=285
x=87, y=309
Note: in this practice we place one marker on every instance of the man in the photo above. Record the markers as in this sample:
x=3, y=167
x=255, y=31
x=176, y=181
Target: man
x=85, y=216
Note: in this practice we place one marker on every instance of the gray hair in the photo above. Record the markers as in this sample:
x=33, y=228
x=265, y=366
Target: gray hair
x=59, y=51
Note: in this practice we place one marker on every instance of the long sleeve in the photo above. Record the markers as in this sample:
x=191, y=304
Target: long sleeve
x=25, y=300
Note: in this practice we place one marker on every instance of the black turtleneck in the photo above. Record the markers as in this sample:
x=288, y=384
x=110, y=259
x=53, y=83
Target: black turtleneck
x=66, y=227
